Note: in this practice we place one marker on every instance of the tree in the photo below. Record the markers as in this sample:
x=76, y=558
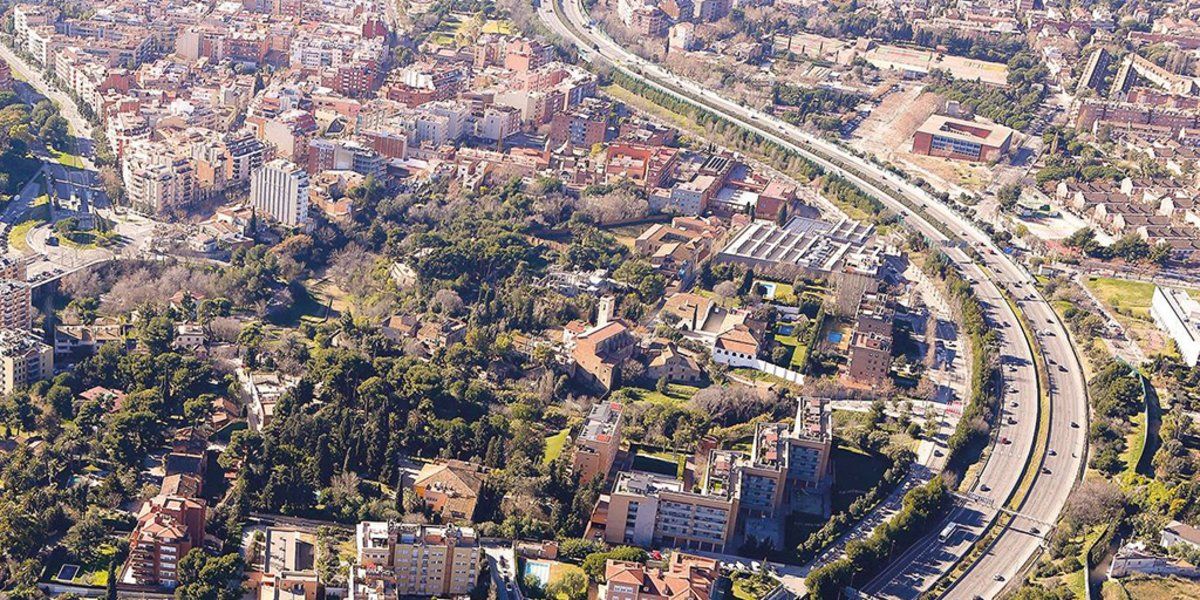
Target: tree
x=87, y=535
x=726, y=290
x=1008, y=195
x=593, y=564
x=1083, y=240
x=204, y=577
x=1160, y=254
x=571, y=585
x=533, y=587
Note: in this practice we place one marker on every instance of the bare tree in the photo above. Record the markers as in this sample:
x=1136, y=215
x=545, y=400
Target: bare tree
x=448, y=301
x=616, y=205
x=726, y=290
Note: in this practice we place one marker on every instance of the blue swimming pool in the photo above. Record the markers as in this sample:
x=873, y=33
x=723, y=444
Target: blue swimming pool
x=786, y=329
x=540, y=570
x=835, y=337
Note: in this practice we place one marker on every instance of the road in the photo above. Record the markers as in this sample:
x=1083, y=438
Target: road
x=1068, y=402
x=80, y=127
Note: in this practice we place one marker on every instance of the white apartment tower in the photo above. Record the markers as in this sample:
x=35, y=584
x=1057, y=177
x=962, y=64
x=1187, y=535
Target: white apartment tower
x=280, y=190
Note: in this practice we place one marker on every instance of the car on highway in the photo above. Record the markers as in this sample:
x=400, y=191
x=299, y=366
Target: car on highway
x=1005, y=441
x=1051, y=452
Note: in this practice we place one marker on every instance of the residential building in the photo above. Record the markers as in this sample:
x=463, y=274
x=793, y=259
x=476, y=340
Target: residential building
x=871, y=343
x=279, y=190
x=950, y=137
x=598, y=442
x=168, y=527
x=497, y=123
x=16, y=310
x=650, y=510
x=156, y=178
x=1178, y=314
x=683, y=577
x=289, y=566
x=450, y=488
x=24, y=359
x=398, y=560
x=803, y=450
x=675, y=365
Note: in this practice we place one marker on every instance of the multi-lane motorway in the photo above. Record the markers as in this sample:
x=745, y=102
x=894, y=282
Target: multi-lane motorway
x=1059, y=461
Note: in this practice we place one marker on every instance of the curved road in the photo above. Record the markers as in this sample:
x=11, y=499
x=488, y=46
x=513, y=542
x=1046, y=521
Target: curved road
x=929, y=559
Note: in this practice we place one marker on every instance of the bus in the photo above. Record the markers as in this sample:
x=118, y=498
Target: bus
x=947, y=532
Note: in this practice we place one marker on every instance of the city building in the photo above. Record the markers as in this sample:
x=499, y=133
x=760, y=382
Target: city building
x=683, y=577
x=1178, y=314
x=289, y=570
x=871, y=343
x=24, y=359
x=279, y=190
x=16, y=310
x=601, y=350
x=949, y=137
x=801, y=247
x=450, y=488
x=801, y=451
x=598, y=442
x=399, y=560
x=167, y=528
x=651, y=510
x=156, y=178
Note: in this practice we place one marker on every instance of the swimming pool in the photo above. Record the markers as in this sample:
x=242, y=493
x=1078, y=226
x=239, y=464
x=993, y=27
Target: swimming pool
x=835, y=337
x=786, y=329
x=540, y=570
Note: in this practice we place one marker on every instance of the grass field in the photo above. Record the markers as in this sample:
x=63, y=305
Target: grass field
x=1159, y=588
x=1127, y=298
x=38, y=213
x=675, y=394
x=555, y=445
x=1135, y=444
x=66, y=159
x=799, y=350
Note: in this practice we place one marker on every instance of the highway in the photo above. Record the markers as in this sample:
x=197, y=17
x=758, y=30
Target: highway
x=918, y=569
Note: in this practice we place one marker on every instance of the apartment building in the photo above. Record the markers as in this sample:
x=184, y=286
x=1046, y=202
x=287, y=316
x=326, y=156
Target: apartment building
x=583, y=126
x=24, y=359
x=397, y=560
x=598, y=442
x=1178, y=314
x=871, y=343
x=345, y=155
x=157, y=179
x=280, y=190
x=15, y=304
x=651, y=510
x=167, y=528
x=801, y=451
x=12, y=268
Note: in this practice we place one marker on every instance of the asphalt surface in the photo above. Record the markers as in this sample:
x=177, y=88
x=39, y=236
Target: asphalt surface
x=1017, y=544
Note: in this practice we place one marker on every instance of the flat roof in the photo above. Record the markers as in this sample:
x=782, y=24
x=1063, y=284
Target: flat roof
x=959, y=129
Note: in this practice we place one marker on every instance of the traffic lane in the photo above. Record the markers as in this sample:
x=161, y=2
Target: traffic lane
x=1050, y=491
x=742, y=112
